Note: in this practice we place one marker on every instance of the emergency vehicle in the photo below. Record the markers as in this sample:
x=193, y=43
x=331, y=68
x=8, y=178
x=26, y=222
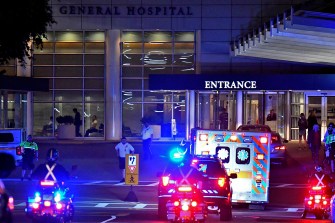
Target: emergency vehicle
x=245, y=153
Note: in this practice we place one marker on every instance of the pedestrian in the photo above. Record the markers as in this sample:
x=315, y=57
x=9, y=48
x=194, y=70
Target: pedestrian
x=94, y=126
x=123, y=148
x=314, y=141
x=223, y=117
x=311, y=120
x=77, y=122
x=302, y=123
x=29, y=153
x=147, y=135
x=272, y=116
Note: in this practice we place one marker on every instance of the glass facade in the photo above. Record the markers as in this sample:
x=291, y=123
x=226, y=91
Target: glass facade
x=147, y=53
x=75, y=64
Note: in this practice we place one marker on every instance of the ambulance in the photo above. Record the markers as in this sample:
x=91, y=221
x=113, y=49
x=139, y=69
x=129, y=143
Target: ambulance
x=245, y=153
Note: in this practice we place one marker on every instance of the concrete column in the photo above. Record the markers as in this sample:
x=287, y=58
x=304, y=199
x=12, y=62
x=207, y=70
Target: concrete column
x=287, y=119
x=113, y=118
x=239, y=108
x=5, y=109
x=191, y=105
x=26, y=72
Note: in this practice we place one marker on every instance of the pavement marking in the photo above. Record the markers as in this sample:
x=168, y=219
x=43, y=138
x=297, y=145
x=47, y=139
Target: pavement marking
x=292, y=209
x=139, y=206
x=94, y=182
x=101, y=205
x=153, y=184
x=108, y=220
x=284, y=185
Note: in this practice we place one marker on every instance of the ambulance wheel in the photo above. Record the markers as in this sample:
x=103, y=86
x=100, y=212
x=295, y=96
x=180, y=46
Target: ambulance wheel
x=162, y=209
x=226, y=213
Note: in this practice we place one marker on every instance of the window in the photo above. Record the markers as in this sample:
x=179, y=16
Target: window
x=242, y=156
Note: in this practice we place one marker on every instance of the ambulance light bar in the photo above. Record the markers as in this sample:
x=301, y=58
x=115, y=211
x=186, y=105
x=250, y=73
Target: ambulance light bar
x=233, y=138
x=263, y=139
x=260, y=156
x=203, y=137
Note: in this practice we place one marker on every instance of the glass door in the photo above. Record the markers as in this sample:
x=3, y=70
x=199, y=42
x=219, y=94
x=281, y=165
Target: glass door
x=324, y=107
x=215, y=110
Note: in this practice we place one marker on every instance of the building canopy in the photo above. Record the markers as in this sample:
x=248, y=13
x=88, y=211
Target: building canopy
x=303, y=36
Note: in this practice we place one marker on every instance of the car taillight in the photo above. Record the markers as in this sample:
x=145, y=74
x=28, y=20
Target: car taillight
x=280, y=147
x=11, y=203
x=263, y=139
x=165, y=180
x=221, y=182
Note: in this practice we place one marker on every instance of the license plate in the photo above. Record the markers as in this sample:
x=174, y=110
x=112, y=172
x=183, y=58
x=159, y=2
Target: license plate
x=185, y=214
x=47, y=197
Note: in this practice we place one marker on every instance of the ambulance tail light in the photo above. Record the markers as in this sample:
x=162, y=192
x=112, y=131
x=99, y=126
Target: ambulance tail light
x=203, y=137
x=165, y=180
x=263, y=139
x=221, y=182
x=11, y=203
x=260, y=156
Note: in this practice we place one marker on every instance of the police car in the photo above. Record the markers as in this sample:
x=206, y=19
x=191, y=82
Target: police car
x=216, y=189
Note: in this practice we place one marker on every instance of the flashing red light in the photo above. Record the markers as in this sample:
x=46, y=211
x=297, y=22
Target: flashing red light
x=309, y=202
x=280, y=147
x=185, y=207
x=59, y=206
x=36, y=205
x=263, y=139
x=194, y=161
x=47, y=203
x=165, y=180
x=194, y=204
x=324, y=202
x=47, y=183
x=221, y=182
x=176, y=203
x=185, y=189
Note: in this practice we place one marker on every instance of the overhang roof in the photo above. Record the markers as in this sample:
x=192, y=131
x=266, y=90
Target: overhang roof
x=304, y=36
x=15, y=83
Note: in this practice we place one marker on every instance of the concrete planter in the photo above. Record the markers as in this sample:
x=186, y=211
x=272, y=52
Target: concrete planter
x=66, y=132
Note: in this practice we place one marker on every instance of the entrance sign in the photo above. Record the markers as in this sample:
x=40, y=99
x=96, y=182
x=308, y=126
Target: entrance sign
x=132, y=169
x=242, y=82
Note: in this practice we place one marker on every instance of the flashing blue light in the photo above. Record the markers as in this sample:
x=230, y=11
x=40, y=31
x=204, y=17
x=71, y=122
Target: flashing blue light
x=37, y=194
x=176, y=156
x=37, y=197
x=57, y=197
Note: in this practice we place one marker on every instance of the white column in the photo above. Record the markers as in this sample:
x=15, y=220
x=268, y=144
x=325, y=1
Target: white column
x=239, y=108
x=287, y=119
x=113, y=117
x=26, y=72
x=191, y=105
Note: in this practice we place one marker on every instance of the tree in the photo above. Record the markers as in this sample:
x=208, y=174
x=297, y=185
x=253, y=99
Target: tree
x=21, y=23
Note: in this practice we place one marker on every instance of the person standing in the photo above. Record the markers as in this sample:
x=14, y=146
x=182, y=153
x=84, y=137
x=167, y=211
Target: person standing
x=311, y=120
x=302, y=123
x=29, y=153
x=272, y=116
x=147, y=135
x=314, y=141
x=123, y=148
x=77, y=122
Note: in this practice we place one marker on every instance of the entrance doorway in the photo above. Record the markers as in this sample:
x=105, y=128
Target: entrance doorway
x=216, y=110
x=324, y=106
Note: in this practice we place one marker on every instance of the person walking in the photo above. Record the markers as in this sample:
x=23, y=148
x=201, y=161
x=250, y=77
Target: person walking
x=29, y=153
x=77, y=122
x=311, y=120
x=314, y=141
x=147, y=135
x=123, y=148
x=302, y=123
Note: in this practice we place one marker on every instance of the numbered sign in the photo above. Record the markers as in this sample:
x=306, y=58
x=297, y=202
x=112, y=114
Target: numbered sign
x=132, y=169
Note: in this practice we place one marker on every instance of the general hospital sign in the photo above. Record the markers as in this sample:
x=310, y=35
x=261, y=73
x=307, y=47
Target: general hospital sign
x=125, y=10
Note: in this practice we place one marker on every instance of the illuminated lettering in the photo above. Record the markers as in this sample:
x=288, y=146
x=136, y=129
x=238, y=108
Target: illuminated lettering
x=230, y=85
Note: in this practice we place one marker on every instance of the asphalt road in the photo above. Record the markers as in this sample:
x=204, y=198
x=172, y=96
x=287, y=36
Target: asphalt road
x=100, y=198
